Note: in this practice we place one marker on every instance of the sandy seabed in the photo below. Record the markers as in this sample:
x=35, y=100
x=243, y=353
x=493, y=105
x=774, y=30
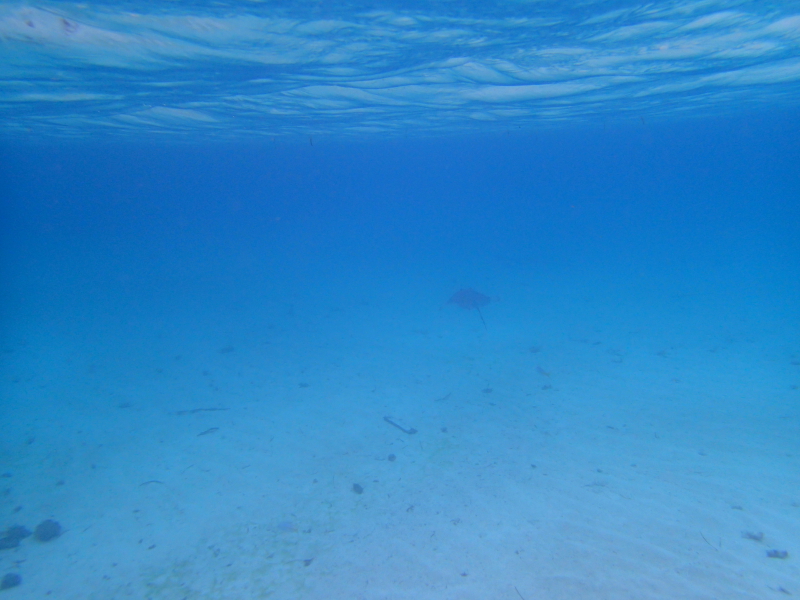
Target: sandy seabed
x=553, y=459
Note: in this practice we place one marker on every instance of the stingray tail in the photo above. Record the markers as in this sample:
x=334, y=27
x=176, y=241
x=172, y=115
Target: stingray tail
x=481, y=316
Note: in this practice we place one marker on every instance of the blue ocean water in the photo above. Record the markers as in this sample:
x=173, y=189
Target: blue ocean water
x=231, y=239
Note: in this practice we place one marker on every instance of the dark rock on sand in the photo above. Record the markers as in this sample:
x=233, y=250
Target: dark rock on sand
x=10, y=580
x=13, y=536
x=47, y=530
x=7, y=543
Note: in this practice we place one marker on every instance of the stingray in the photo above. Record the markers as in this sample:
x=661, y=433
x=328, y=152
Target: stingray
x=469, y=298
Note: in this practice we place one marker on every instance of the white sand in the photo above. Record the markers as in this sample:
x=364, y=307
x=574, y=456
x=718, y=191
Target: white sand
x=623, y=459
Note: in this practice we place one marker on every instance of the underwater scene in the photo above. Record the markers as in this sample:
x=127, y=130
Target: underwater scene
x=400, y=300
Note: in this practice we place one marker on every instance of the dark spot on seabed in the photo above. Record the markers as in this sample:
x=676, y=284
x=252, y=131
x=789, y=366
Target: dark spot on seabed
x=14, y=535
x=47, y=530
x=10, y=580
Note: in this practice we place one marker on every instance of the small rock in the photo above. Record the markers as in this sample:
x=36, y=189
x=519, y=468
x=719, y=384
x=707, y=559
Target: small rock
x=7, y=543
x=14, y=535
x=18, y=532
x=10, y=580
x=358, y=489
x=47, y=530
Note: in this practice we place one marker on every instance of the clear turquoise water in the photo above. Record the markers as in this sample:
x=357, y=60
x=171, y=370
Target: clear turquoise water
x=265, y=208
